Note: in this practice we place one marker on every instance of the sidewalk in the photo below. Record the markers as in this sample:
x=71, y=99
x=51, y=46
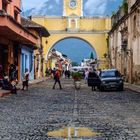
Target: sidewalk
x=132, y=87
x=19, y=86
x=35, y=81
x=4, y=93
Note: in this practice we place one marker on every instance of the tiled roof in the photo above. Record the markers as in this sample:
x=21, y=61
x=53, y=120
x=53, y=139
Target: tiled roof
x=27, y=23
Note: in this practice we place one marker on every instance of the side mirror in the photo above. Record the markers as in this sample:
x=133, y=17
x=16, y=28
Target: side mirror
x=123, y=77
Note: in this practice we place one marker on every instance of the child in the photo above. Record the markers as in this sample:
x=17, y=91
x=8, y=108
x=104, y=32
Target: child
x=14, y=88
x=25, y=80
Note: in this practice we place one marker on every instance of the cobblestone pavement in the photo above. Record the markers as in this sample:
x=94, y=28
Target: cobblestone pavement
x=30, y=115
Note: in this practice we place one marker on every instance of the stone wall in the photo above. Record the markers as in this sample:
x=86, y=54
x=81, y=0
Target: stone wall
x=136, y=74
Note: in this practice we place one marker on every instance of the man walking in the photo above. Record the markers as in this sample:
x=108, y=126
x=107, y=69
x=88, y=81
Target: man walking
x=57, y=79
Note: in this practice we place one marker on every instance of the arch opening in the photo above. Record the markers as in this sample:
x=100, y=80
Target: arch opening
x=76, y=49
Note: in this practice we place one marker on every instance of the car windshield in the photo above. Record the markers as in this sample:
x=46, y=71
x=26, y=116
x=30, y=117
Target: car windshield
x=110, y=74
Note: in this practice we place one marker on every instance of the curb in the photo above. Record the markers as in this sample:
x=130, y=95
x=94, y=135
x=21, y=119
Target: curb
x=5, y=93
x=132, y=87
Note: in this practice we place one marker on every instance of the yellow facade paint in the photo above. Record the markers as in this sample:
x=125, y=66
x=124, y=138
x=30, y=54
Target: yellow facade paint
x=72, y=24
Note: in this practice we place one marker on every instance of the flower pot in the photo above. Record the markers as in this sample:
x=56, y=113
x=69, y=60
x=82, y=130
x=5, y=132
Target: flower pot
x=77, y=85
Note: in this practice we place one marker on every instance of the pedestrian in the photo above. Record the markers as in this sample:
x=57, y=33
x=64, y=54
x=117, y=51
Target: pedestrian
x=25, y=80
x=86, y=75
x=47, y=72
x=99, y=71
x=93, y=80
x=68, y=74
x=13, y=87
x=53, y=72
x=12, y=72
x=1, y=75
x=57, y=76
x=7, y=85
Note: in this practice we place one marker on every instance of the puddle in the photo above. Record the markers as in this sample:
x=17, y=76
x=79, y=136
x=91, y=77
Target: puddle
x=73, y=132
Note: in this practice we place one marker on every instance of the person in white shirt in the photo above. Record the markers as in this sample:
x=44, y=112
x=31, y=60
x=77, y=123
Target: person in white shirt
x=86, y=75
x=25, y=80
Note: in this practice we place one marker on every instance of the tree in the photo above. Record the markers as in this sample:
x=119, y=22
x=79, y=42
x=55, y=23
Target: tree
x=74, y=64
x=125, y=6
x=91, y=55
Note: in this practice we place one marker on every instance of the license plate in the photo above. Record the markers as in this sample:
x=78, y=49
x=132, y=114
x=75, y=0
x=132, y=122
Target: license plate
x=112, y=86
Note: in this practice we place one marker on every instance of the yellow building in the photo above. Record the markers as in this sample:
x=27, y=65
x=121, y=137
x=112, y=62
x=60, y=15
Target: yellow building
x=73, y=24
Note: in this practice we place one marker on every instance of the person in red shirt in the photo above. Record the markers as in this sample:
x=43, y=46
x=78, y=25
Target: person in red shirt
x=57, y=79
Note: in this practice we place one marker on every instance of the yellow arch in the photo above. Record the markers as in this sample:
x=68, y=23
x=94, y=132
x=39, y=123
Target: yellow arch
x=92, y=30
x=70, y=38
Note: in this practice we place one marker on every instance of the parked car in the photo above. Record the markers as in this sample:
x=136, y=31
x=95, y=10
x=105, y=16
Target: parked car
x=111, y=79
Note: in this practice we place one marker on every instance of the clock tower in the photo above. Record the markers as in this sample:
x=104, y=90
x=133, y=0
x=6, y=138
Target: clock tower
x=73, y=7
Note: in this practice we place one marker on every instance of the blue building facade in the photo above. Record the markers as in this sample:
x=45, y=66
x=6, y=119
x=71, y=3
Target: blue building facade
x=27, y=62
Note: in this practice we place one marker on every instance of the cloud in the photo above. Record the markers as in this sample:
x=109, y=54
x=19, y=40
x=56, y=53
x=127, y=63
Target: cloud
x=50, y=7
x=100, y=7
x=55, y=7
x=96, y=7
x=57, y=1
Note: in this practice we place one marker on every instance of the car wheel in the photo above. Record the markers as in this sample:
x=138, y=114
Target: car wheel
x=121, y=88
x=101, y=88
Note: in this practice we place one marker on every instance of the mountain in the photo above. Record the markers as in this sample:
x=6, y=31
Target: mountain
x=91, y=8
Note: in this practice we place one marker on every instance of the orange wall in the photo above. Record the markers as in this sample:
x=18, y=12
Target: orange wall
x=11, y=7
x=0, y=4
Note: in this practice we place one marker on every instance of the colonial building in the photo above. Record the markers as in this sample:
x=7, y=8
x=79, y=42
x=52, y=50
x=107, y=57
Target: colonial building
x=92, y=30
x=12, y=35
x=58, y=60
x=124, y=41
x=37, y=63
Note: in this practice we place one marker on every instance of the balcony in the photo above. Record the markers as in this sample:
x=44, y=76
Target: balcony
x=12, y=30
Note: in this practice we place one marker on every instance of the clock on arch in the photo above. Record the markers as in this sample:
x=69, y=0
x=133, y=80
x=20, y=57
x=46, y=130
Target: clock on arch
x=72, y=4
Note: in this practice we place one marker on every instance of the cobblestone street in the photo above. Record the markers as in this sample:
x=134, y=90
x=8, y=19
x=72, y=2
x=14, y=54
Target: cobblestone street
x=30, y=115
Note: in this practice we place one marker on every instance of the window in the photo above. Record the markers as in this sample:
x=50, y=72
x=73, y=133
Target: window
x=134, y=26
x=15, y=15
x=30, y=62
x=109, y=74
x=4, y=5
x=73, y=24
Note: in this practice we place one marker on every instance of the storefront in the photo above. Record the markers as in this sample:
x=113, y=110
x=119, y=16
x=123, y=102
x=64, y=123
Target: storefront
x=4, y=57
x=27, y=62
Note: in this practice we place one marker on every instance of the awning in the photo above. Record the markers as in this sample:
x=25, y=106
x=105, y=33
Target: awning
x=12, y=30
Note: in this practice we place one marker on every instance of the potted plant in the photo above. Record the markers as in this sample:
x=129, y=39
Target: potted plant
x=77, y=79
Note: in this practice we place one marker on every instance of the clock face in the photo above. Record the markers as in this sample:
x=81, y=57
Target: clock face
x=73, y=3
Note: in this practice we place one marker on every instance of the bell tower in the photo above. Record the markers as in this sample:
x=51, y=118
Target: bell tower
x=73, y=7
